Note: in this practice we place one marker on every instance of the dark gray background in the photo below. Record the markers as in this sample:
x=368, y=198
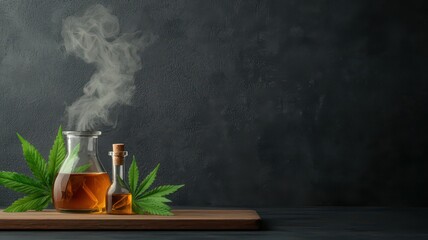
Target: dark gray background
x=249, y=103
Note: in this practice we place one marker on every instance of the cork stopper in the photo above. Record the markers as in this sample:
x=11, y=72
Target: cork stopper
x=118, y=153
x=118, y=147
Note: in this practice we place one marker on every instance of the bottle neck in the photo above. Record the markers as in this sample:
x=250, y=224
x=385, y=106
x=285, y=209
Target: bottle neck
x=118, y=159
x=118, y=170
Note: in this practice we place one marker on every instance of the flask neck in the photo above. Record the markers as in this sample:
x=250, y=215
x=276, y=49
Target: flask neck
x=85, y=144
x=85, y=141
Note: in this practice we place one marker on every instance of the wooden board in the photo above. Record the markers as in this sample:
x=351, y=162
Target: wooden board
x=182, y=220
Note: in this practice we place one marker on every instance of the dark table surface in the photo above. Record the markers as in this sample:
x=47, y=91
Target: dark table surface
x=282, y=223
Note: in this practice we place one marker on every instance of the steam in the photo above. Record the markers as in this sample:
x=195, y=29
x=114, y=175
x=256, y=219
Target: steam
x=94, y=37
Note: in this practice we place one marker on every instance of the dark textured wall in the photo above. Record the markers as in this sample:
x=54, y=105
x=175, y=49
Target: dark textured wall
x=249, y=103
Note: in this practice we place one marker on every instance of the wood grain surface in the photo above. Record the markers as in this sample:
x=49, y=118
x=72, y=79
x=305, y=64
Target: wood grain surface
x=182, y=220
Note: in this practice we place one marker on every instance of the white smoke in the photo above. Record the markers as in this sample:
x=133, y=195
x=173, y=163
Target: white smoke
x=94, y=37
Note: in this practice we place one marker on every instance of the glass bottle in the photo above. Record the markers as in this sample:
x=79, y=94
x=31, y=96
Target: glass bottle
x=81, y=184
x=119, y=199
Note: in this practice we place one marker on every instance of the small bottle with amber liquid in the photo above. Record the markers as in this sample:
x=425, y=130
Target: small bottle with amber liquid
x=119, y=199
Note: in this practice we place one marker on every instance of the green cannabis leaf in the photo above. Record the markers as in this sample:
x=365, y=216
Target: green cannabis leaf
x=56, y=156
x=39, y=188
x=152, y=201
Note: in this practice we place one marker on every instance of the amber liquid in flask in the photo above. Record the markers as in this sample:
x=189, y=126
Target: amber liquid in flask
x=81, y=184
x=119, y=199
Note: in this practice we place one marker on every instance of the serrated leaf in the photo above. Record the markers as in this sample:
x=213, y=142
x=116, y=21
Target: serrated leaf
x=34, y=159
x=153, y=207
x=155, y=199
x=136, y=208
x=56, y=156
x=21, y=183
x=147, y=182
x=133, y=175
x=31, y=202
x=162, y=191
x=149, y=204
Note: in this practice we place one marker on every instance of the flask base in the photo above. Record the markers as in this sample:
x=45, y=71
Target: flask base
x=81, y=210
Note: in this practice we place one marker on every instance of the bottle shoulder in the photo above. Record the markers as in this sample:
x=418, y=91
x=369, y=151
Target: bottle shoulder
x=117, y=189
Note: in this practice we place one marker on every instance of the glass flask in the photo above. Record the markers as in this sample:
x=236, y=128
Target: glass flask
x=119, y=199
x=81, y=184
